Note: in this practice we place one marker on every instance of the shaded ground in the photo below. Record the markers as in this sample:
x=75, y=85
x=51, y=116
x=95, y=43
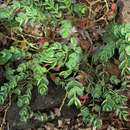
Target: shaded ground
x=67, y=118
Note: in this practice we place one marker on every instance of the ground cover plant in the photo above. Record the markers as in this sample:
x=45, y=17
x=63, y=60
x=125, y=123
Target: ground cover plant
x=49, y=40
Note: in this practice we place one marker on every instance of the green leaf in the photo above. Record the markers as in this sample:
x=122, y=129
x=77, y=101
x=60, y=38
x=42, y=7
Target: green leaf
x=24, y=114
x=23, y=100
x=4, y=13
x=123, y=114
x=105, y=53
x=96, y=108
x=22, y=67
x=2, y=99
x=107, y=106
x=65, y=29
x=85, y=112
x=80, y=9
x=41, y=116
x=127, y=37
x=77, y=103
x=97, y=92
x=65, y=74
x=127, y=49
x=74, y=61
x=97, y=123
x=5, y=56
x=114, y=80
x=17, y=91
x=42, y=89
x=74, y=42
x=21, y=18
x=74, y=90
x=71, y=102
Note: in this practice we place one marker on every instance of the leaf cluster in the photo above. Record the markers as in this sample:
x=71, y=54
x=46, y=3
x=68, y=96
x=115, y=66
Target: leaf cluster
x=31, y=72
x=23, y=12
x=115, y=37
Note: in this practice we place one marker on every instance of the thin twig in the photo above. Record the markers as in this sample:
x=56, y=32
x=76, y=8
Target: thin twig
x=5, y=113
x=94, y=128
x=7, y=126
x=91, y=4
x=103, y=17
x=29, y=35
x=63, y=102
x=24, y=40
x=95, y=2
x=107, y=7
x=90, y=40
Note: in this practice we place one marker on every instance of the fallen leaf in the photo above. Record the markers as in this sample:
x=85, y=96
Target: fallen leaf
x=42, y=41
x=49, y=126
x=60, y=124
x=84, y=99
x=57, y=112
x=113, y=69
x=85, y=45
x=53, y=77
x=57, y=68
x=113, y=7
x=82, y=24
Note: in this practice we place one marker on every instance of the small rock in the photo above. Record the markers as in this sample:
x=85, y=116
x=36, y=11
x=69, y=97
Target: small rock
x=1, y=128
x=51, y=100
x=67, y=121
x=40, y=129
x=57, y=112
x=29, y=129
x=49, y=126
x=85, y=129
x=39, y=103
x=125, y=10
x=60, y=124
x=55, y=129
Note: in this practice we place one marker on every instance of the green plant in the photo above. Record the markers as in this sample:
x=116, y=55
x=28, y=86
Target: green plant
x=74, y=59
x=65, y=28
x=21, y=83
x=103, y=99
x=22, y=12
x=91, y=118
x=11, y=55
x=52, y=7
x=66, y=5
x=80, y=9
x=74, y=90
x=112, y=102
x=116, y=37
x=57, y=51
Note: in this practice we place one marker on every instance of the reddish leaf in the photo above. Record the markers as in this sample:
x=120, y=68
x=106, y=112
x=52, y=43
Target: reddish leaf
x=57, y=68
x=84, y=99
x=82, y=24
x=113, y=69
x=113, y=7
x=110, y=13
x=45, y=65
x=42, y=41
x=53, y=77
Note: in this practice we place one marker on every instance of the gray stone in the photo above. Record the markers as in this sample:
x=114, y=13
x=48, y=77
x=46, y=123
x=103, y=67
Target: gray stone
x=123, y=15
x=52, y=99
x=126, y=11
x=39, y=103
